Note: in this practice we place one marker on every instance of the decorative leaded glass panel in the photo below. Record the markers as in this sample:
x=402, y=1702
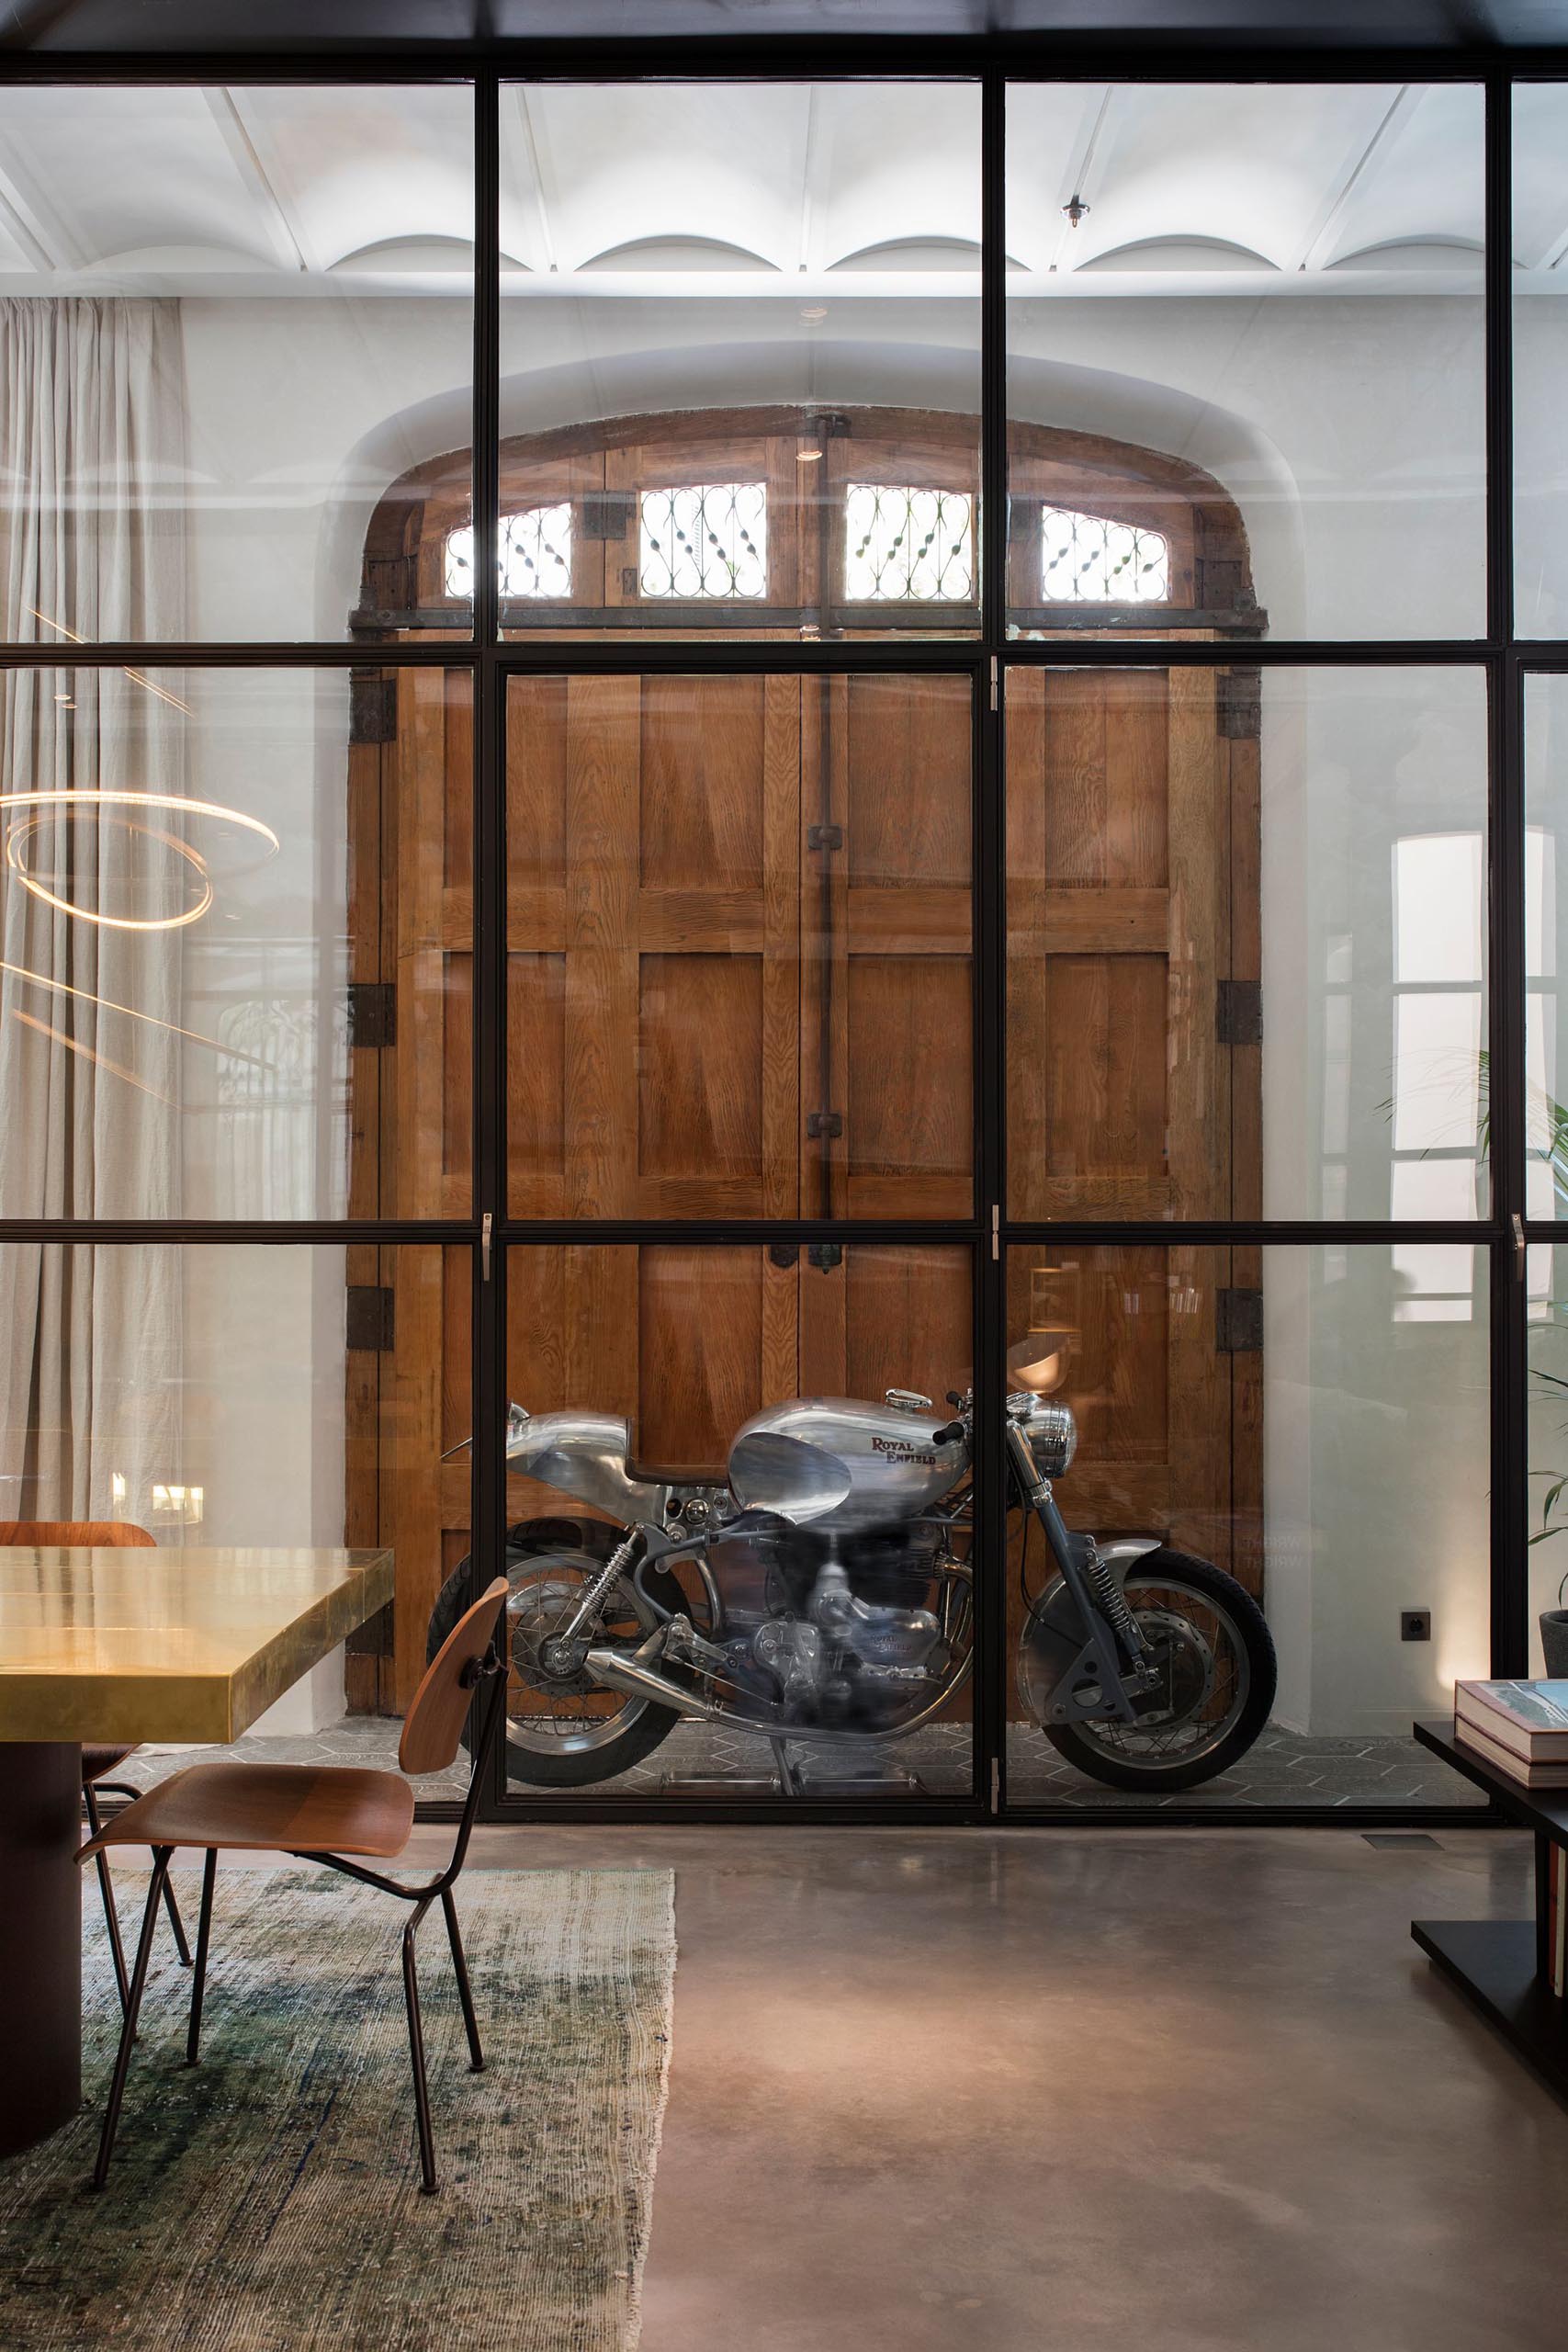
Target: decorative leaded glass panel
x=1087, y=560
x=709, y=540
x=907, y=546
x=533, y=554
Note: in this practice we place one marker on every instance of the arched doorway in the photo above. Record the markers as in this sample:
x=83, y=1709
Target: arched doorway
x=740, y=943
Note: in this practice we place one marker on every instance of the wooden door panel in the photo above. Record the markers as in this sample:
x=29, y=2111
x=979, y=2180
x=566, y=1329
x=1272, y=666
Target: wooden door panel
x=908, y=1141
x=1118, y=840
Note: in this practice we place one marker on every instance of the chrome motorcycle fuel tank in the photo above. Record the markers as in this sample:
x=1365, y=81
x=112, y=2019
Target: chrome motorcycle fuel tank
x=839, y=1464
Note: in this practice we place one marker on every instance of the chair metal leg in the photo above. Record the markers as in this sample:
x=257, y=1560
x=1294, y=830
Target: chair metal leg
x=464, y=1990
x=128, y=2030
x=416, y=2054
x=106, y=1888
x=124, y=1789
x=203, y=1939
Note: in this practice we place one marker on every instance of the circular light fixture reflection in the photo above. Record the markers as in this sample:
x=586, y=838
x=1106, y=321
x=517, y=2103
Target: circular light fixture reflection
x=112, y=803
x=19, y=835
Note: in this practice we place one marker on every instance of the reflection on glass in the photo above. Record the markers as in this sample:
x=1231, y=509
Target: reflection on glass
x=740, y=946
x=1246, y=942
x=232, y=311
x=825, y=1648
x=210, y=1395
x=1546, y=813
x=1285, y=1421
x=1283, y=284
x=741, y=345
x=235, y=943
x=1540, y=357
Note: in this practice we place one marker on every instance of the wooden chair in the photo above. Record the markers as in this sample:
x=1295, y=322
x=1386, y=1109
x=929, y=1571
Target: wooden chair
x=324, y=1814
x=97, y=1758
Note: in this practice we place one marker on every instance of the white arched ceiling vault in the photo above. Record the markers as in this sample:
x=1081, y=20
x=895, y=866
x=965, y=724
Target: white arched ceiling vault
x=643, y=187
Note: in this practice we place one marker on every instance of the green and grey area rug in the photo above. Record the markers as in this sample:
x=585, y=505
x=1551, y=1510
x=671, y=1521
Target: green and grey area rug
x=267, y=2200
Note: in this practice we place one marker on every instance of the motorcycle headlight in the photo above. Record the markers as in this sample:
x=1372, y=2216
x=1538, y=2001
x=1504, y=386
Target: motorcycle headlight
x=1052, y=1437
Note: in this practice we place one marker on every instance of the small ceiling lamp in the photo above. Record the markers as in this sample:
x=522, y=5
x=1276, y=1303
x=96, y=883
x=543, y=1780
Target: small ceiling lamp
x=1076, y=210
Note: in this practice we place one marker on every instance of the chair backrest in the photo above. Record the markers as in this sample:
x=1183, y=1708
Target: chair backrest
x=432, y=1727
x=114, y=1534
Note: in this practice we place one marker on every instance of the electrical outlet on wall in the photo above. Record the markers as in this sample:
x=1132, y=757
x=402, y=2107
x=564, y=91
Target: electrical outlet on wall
x=1414, y=1624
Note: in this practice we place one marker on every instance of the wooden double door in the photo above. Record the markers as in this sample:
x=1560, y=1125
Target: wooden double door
x=739, y=963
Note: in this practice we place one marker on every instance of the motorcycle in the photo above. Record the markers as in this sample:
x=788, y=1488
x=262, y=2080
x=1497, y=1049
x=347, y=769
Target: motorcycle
x=826, y=1595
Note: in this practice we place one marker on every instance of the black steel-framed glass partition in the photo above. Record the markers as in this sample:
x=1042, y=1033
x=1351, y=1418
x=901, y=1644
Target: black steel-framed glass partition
x=1180, y=980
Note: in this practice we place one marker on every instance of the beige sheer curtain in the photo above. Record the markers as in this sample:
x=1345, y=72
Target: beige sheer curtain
x=92, y=452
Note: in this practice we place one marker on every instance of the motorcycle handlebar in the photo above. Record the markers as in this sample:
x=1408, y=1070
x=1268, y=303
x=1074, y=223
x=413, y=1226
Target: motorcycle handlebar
x=945, y=1436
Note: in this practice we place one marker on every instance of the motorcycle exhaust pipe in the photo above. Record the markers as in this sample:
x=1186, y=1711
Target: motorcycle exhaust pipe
x=615, y=1669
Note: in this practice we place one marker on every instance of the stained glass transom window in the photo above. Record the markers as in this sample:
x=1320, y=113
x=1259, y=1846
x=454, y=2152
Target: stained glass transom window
x=709, y=540
x=907, y=546
x=1087, y=560
x=533, y=554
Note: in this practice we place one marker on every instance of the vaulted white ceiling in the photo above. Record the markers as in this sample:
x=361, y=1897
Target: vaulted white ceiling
x=652, y=188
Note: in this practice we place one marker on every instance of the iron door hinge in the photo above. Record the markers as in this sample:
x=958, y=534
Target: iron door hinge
x=372, y=707
x=1238, y=1321
x=1238, y=704
x=784, y=1254
x=819, y=1124
x=372, y=1014
x=370, y=1318
x=826, y=1255
x=606, y=513
x=824, y=837
x=1238, y=1012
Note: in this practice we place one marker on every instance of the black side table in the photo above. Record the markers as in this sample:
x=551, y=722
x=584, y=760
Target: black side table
x=1503, y=1965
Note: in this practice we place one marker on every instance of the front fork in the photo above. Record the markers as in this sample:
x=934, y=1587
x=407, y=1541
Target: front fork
x=1101, y=1682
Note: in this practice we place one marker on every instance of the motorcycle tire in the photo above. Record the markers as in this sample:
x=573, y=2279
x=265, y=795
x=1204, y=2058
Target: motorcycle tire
x=1078, y=1747
x=526, y=1544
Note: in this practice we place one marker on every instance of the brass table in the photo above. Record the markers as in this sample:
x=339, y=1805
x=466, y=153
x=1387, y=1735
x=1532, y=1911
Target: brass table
x=125, y=1645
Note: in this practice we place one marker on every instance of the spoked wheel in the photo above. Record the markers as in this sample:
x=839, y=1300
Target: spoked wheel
x=563, y=1731
x=1217, y=1674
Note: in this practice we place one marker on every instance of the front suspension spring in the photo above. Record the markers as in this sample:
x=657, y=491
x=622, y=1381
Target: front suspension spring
x=1112, y=1604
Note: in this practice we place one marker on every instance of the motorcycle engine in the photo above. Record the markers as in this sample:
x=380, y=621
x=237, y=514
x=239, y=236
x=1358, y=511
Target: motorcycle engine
x=845, y=1634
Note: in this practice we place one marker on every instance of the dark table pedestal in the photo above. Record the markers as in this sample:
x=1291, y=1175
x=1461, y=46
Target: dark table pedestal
x=41, y=1939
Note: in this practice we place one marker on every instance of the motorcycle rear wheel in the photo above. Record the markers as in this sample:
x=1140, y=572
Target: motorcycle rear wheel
x=1156, y=1757
x=561, y=1757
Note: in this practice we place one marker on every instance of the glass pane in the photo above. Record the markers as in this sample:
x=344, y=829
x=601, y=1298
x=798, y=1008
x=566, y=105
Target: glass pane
x=1541, y=358
x=1245, y=388
x=741, y=333
x=1546, y=951
x=207, y=1395
x=236, y=313
x=1299, y=1433
x=236, y=914
x=1247, y=969
x=740, y=946
x=842, y=1628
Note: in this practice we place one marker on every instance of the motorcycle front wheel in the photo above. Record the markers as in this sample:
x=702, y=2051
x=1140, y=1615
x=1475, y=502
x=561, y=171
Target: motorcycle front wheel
x=1217, y=1688
x=561, y=1733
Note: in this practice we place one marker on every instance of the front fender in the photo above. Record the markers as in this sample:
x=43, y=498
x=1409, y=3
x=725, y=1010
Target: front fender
x=1054, y=1633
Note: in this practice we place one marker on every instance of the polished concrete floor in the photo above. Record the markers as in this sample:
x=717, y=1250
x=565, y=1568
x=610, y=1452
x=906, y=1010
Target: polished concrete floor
x=1194, y=2091
x=1084, y=2087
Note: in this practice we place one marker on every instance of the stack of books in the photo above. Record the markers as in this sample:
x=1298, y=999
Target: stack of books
x=1521, y=1728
